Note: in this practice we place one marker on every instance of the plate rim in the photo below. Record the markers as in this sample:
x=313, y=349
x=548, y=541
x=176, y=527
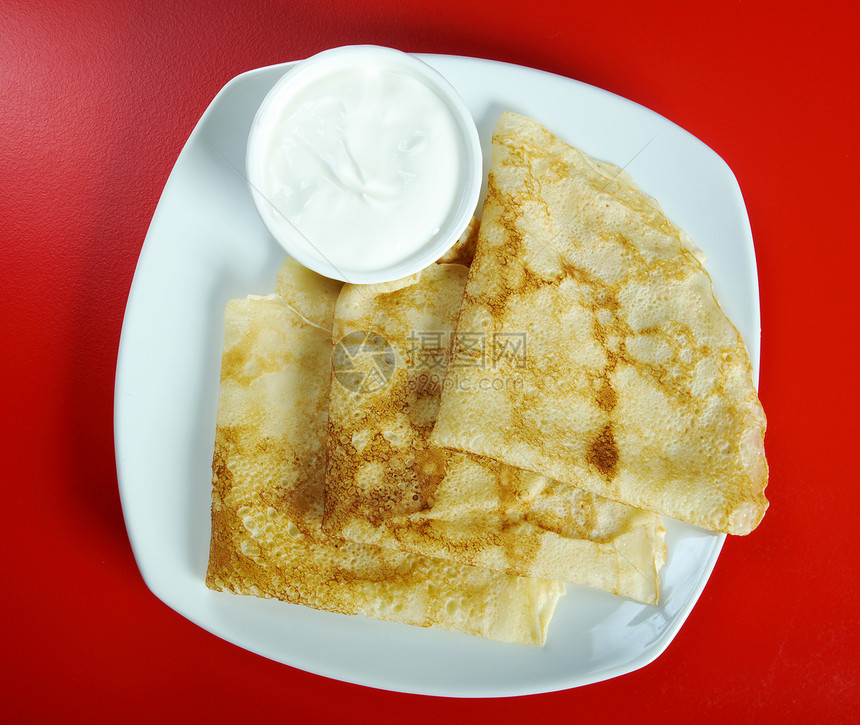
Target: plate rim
x=123, y=477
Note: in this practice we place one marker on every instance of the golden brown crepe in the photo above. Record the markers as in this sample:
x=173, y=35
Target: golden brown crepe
x=635, y=385
x=386, y=485
x=268, y=474
x=463, y=250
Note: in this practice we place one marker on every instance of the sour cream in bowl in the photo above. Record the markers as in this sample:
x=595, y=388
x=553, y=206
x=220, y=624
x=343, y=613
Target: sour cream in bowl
x=364, y=164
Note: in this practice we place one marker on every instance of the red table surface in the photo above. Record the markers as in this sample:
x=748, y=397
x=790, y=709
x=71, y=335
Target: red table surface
x=96, y=101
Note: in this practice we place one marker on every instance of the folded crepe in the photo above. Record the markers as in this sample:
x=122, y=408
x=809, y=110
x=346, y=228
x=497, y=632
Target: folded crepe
x=463, y=250
x=387, y=485
x=268, y=478
x=635, y=385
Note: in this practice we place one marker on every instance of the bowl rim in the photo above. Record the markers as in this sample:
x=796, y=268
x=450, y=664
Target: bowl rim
x=471, y=180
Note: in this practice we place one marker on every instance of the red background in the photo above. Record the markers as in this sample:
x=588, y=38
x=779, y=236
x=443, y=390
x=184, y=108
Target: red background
x=96, y=101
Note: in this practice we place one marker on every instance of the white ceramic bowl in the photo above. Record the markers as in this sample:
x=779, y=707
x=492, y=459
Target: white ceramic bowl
x=394, y=265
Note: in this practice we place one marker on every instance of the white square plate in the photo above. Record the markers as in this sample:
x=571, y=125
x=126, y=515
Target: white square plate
x=206, y=245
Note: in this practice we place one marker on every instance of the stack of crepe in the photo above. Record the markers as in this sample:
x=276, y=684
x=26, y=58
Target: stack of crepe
x=387, y=485
x=447, y=450
x=268, y=482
